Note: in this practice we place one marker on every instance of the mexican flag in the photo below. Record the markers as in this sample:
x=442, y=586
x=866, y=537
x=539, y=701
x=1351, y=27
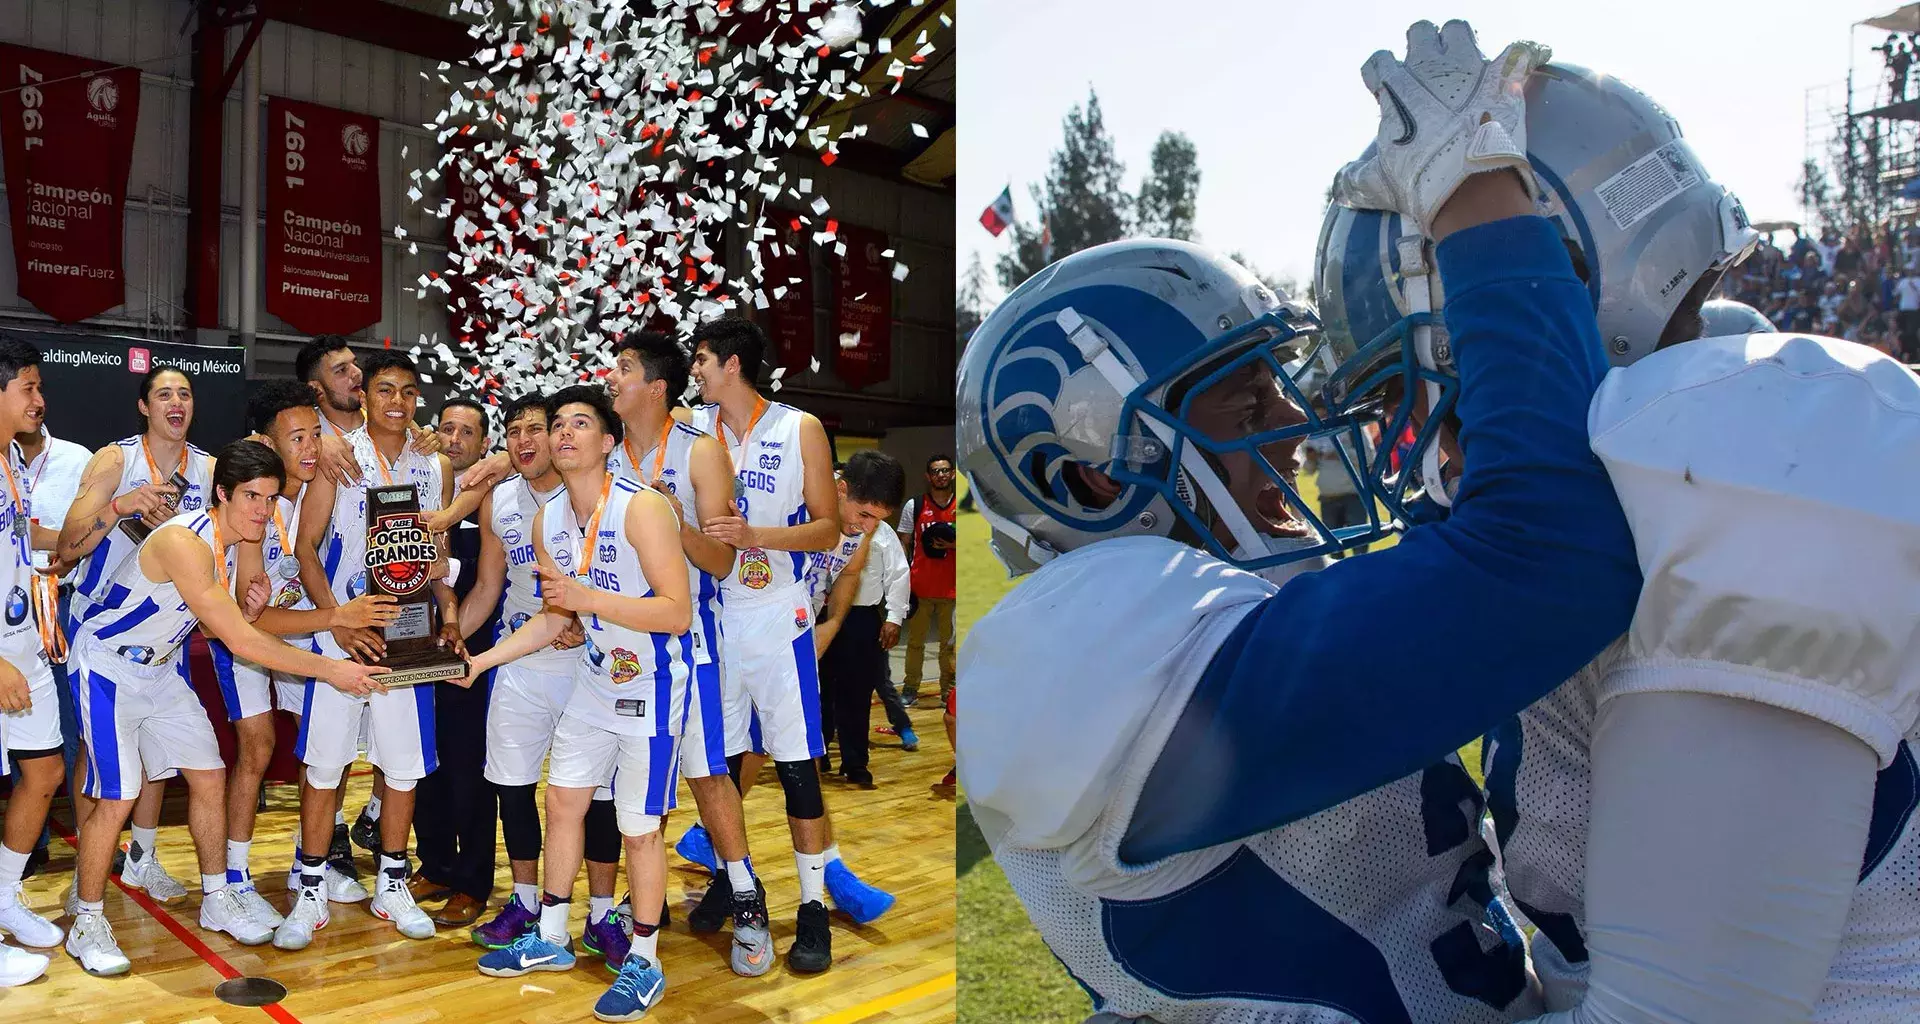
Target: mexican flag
x=997, y=216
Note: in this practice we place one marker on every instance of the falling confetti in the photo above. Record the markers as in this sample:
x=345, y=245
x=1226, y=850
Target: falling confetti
x=596, y=155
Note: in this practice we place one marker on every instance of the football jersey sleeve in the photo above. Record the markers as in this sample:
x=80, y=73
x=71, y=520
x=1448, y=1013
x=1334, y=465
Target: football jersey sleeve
x=1376, y=667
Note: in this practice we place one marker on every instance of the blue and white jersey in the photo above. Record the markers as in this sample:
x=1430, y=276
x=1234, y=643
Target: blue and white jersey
x=277, y=554
x=18, y=638
x=98, y=568
x=344, y=555
x=515, y=503
x=630, y=682
x=1719, y=448
x=676, y=474
x=146, y=622
x=771, y=491
x=823, y=568
x=1384, y=908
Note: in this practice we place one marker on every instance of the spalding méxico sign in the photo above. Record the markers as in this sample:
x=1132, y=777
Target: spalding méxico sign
x=92, y=386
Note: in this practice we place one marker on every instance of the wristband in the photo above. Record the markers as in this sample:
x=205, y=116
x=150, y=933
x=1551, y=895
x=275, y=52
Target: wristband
x=115, y=506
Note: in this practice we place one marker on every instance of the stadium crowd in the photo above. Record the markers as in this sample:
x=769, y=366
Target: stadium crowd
x=1863, y=286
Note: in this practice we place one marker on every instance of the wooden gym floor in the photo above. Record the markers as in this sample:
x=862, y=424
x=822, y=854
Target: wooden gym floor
x=900, y=968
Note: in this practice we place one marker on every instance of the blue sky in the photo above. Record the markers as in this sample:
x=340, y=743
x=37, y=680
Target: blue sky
x=1270, y=92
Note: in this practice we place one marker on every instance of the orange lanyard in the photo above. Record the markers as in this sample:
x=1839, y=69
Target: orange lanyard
x=592, y=541
x=46, y=588
x=153, y=468
x=13, y=487
x=219, y=555
x=280, y=522
x=759, y=410
x=382, y=461
x=659, y=451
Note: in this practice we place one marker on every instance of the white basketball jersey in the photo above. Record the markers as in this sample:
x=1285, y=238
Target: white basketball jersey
x=631, y=682
x=823, y=568
x=18, y=638
x=345, y=553
x=99, y=566
x=146, y=621
x=676, y=473
x=1382, y=908
x=515, y=503
x=277, y=555
x=770, y=490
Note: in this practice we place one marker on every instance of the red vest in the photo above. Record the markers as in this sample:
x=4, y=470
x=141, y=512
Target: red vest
x=932, y=576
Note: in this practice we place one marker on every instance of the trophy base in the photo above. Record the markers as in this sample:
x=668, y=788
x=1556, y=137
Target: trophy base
x=414, y=673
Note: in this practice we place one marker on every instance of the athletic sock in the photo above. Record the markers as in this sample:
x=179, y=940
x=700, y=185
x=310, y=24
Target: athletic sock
x=740, y=874
x=210, y=884
x=598, y=907
x=813, y=876
x=831, y=853
x=313, y=870
x=145, y=840
x=528, y=894
x=12, y=867
x=238, y=853
x=96, y=907
x=373, y=807
x=553, y=917
x=646, y=941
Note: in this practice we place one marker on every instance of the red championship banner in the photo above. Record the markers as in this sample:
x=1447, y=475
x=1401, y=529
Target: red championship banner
x=66, y=131
x=467, y=316
x=863, y=309
x=323, y=217
x=786, y=276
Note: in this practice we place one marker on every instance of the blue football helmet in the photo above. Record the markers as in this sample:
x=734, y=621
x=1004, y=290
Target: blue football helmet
x=1648, y=231
x=1077, y=411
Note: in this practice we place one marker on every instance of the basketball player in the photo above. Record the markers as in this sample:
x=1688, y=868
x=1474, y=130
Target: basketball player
x=281, y=411
x=784, y=509
x=148, y=477
x=691, y=468
x=530, y=694
x=609, y=553
x=327, y=365
x=29, y=705
x=332, y=554
x=139, y=713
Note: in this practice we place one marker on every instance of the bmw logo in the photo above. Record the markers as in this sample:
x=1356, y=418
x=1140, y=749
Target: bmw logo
x=357, y=585
x=595, y=654
x=17, y=606
x=519, y=619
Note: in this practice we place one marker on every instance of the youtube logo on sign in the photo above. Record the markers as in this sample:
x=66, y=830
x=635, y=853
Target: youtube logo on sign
x=137, y=360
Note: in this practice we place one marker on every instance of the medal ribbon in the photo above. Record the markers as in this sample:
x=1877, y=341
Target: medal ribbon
x=592, y=541
x=660, y=449
x=46, y=588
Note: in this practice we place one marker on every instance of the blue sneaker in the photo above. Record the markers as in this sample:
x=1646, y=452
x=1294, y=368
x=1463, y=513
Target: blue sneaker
x=695, y=846
x=860, y=901
x=527, y=954
x=909, y=741
x=634, y=992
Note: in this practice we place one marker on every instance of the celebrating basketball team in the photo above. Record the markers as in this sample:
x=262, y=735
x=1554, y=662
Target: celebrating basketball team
x=643, y=601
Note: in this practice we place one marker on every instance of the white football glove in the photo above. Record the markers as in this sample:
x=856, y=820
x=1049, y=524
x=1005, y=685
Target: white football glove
x=1445, y=113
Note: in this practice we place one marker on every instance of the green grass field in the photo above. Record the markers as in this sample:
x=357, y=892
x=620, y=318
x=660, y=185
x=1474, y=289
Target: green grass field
x=1007, y=975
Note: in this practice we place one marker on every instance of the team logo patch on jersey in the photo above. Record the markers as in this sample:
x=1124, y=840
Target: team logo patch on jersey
x=399, y=550
x=626, y=666
x=755, y=571
x=519, y=619
x=563, y=558
x=511, y=537
x=357, y=585
x=190, y=502
x=17, y=606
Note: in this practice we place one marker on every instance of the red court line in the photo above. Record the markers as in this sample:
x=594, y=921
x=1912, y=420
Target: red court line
x=167, y=921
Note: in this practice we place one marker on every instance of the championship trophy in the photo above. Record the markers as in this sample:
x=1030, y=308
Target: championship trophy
x=400, y=553
x=137, y=528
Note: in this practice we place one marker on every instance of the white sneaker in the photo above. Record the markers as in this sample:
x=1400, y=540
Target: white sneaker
x=339, y=888
x=149, y=875
x=256, y=905
x=308, y=914
x=17, y=966
x=222, y=911
x=70, y=900
x=90, y=941
x=30, y=928
x=395, y=903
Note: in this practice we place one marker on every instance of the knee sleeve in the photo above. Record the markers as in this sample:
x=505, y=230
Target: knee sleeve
x=604, y=826
x=734, y=762
x=34, y=755
x=325, y=778
x=801, y=781
x=401, y=785
x=520, y=821
x=634, y=824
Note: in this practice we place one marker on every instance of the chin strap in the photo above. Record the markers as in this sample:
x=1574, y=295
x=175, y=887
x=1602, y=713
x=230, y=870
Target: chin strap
x=1414, y=272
